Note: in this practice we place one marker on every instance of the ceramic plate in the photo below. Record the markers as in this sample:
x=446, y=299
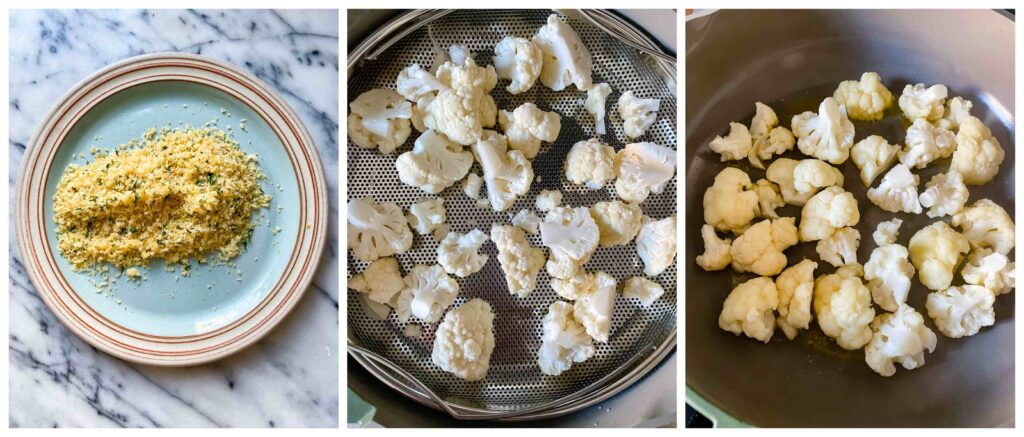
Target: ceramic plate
x=168, y=319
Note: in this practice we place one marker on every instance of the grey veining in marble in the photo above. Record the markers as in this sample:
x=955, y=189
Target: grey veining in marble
x=290, y=378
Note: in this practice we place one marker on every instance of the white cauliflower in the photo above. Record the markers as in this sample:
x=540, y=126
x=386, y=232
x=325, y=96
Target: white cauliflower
x=571, y=235
x=519, y=60
x=749, y=309
x=978, y=154
x=843, y=307
x=764, y=120
x=935, y=251
x=897, y=192
x=637, y=114
x=760, y=248
x=716, y=251
x=464, y=341
x=575, y=286
x=520, y=261
x=986, y=224
x=414, y=83
x=379, y=118
x=434, y=163
x=642, y=289
x=548, y=200
x=796, y=287
x=926, y=143
x=734, y=146
x=590, y=162
x=827, y=135
x=566, y=60
x=944, y=194
x=595, y=103
x=564, y=340
x=888, y=273
x=991, y=270
x=460, y=255
x=618, y=222
x=781, y=172
x=924, y=103
x=381, y=281
x=656, y=244
x=427, y=215
x=957, y=109
x=780, y=140
x=812, y=174
x=472, y=185
x=873, y=155
x=841, y=248
x=429, y=291
x=593, y=307
x=508, y=173
x=459, y=53
x=728, y=203
x=887, y=231
x=768, y=198
x=461, y=114
x=866, y=99
x=961, y=311
x=467, y=74
x=377, y=230
x=900, y=337
x=829, y=210
x=642, y=169
x=527, y=221
x=527, y=126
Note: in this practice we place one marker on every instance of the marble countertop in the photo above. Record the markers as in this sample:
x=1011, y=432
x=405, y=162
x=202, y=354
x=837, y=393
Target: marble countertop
x=288, y=379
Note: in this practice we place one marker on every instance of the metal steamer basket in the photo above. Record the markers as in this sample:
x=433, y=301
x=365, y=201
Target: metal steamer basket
x=514, y=388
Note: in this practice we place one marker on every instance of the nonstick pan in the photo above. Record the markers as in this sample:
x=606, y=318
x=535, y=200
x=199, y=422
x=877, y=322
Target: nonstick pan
x=792, y=60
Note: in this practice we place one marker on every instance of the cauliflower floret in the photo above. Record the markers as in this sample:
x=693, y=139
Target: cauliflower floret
x=728, y=204
x=864, y=100
x=749, y=309
x=464, y=341
x=459, y=53
x=992, y=270
x=593, y=306
x=564, y=341
x=843, y=306
x=944, y=194
x=472, y=185
x=735, y=146
x=642, y=169
x=590, y=162
x=986, y=224
x=873, y=155
x=429, y=291
x=780, y=140
x=830, y=209
x=575, y=286
x=377, y=230
x=571, y=235
x=716, y=251
x=520, y=261
x=781, y=172
x=618, y=222
x=935, y=251
x=841, y=248
x=656, y=244
x=381, y=281
x=957, y=109
x=642, y=289
x=760, y=248
x=764, y=120
x=897, y=192
x=926, y=143
x=795, y=286
x=519, y=60
x=768, y=198
x=900, y=337
x=566, y=60
x=467, y=74
x=527, y=221
x=461, y=114
x=888, y=273
x=811, y=174
x=415, y=83
x=379, y=119
x=887, y=231
x=638, y=114
x=596, y=99
x=827, y=135
x=925, y=103
x=548, y=200
x=961, y=311
x=427, y=215
x=978, y=154
x=507, y=172
x=527, y=126
x=434, y=163
x=460, y=254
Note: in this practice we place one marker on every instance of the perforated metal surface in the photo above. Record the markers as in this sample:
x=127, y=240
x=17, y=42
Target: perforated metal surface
x=514, y=381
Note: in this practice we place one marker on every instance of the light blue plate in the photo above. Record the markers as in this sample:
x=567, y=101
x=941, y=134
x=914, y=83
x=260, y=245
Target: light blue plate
x=165, y=304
